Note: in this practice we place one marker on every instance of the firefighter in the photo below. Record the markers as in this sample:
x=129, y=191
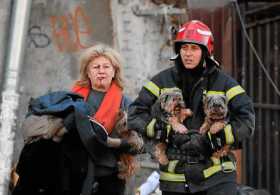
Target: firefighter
x=192, y=168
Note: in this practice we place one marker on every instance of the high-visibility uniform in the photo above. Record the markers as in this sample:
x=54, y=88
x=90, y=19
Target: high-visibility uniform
x=240, y=126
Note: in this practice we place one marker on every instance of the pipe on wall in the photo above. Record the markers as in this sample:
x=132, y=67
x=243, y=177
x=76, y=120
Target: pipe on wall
x=15, y=53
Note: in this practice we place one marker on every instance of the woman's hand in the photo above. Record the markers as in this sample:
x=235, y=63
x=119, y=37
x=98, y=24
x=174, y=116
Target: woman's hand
x=118, y=143
x=113, y=142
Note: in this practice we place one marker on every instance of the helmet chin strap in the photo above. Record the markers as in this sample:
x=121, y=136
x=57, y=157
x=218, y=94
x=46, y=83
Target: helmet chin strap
x=173, y=58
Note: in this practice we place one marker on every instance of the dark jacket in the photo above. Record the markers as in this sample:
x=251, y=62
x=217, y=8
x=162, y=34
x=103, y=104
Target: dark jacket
x=241, y=119
x=107, y=158
x=47, y=167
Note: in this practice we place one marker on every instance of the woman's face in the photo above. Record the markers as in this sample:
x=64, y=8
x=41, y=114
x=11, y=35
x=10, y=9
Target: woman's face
x=101, y=73
x=190, y=55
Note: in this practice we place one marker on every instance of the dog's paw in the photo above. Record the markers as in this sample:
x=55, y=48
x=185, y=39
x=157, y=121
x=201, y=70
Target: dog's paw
x=217, y=126
x=204, y=128
x=184, y=113
x=160, y=154
x=176, y=125
x=135, y=141
x=222, y=152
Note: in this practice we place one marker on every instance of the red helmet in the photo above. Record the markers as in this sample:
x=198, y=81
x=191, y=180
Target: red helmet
x=195, y=32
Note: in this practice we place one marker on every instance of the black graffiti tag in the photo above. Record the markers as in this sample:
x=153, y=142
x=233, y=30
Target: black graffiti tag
x=38, y=38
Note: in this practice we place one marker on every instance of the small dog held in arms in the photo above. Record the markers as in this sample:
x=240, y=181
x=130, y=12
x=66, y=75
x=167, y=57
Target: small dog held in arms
x=171, y=110
x=127, y=163
x=216, y=111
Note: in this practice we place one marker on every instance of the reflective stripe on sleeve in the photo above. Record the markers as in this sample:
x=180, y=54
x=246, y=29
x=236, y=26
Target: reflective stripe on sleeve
x=172, y=165
x=153, y=88
x=169, y=90
x=228, y=166
x=216, y=161
x=150, y=128
x=234, y=91
x=215, y=93
x=231, y=93
x=165, y=176
x=228, y=134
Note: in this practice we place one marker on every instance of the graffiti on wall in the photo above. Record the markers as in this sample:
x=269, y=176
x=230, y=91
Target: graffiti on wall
x=37, y=38
x=70, y=29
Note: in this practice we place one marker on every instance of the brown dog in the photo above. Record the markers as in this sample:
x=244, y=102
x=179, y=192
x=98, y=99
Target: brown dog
x=216, y=111
x=127, y=162
x=170, y=109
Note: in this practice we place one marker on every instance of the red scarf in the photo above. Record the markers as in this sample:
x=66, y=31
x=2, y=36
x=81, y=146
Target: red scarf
x=110, y=105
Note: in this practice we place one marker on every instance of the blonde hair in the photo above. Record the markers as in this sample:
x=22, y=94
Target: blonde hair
x=96, y=51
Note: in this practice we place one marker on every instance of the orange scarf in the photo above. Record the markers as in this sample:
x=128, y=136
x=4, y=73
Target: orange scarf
x=110, y=105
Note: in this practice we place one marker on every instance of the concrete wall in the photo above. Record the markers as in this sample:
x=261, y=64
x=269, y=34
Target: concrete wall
x=142, y=41
x=58, y=32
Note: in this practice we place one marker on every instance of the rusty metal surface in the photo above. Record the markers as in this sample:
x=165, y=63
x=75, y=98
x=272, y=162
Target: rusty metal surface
x=262, y=169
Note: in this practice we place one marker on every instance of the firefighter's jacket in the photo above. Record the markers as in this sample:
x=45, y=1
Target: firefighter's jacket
x=240, y=126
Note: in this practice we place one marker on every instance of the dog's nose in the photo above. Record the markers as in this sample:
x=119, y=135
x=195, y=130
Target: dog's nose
x=216, y=104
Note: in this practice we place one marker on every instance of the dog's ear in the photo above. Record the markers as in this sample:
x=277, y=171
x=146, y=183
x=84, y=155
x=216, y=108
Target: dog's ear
x=209, y=99
x=225, y=99
x=204, y=97
x=163, y=98
x=120, y=115
x=204, y=101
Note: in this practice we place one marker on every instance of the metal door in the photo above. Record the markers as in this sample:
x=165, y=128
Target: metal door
x=261, y=154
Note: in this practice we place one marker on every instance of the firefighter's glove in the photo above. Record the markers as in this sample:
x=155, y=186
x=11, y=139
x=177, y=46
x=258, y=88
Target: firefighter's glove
x=221, y=138
x=157, y=129
x=179, y=139
x=197, y=145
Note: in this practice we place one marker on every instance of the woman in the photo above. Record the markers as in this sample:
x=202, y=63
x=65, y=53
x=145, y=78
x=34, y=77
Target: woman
x=101, y=85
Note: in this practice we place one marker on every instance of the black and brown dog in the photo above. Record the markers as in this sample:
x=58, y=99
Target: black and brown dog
x=216, y=112
x=127, y=162
x=171, y=110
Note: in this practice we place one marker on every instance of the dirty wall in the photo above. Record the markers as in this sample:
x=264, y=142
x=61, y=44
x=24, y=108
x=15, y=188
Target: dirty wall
x=59, y=31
